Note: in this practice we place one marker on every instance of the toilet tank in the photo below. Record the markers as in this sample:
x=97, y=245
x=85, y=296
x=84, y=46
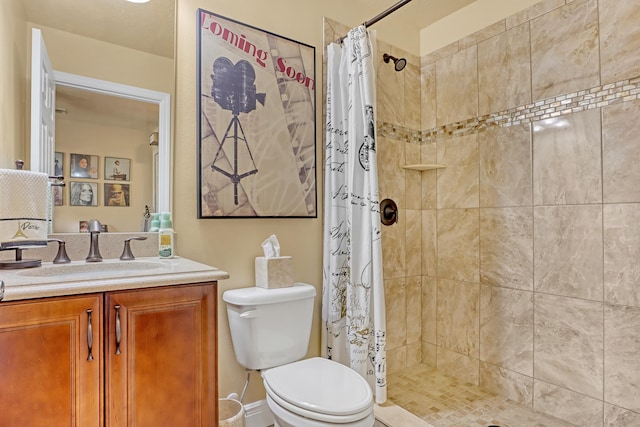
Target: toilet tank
x=270, y=327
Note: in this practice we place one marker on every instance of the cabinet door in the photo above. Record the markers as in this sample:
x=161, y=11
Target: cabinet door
x=51, y=362
x=161, y=357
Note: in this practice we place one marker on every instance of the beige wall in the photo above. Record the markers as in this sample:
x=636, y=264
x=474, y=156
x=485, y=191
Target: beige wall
x=13, y=101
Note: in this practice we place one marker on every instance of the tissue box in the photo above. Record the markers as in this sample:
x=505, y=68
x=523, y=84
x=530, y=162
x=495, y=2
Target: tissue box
x=276, y=272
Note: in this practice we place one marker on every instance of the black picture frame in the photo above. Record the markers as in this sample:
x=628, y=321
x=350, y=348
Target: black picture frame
x=256, y=123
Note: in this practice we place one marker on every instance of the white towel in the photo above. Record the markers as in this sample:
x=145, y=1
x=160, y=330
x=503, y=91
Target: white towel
x=23, y=208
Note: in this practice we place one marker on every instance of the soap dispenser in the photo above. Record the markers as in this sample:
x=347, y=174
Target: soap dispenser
x=165, y=236
x=155, y=222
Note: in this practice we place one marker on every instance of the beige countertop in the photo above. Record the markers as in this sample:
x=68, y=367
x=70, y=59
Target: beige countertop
x=80, y=277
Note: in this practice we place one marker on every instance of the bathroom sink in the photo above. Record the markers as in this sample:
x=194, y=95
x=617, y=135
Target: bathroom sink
x=107, y=269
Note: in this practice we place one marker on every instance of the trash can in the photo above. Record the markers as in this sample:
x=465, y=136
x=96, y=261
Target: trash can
x=230, y=413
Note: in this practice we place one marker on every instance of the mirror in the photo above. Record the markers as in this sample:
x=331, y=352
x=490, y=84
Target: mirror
x=140, y=34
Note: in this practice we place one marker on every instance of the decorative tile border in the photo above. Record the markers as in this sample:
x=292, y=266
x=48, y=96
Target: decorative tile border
x=596, y=97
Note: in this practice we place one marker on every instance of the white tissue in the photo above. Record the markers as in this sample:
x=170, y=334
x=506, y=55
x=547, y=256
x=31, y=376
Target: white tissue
x=271, y=247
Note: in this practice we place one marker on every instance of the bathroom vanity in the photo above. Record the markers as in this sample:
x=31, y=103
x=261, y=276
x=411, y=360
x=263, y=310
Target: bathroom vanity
x=110, y=344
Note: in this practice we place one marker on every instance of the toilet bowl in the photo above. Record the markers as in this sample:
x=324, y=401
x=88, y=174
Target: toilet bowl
x=270, y=331
x=318, y=392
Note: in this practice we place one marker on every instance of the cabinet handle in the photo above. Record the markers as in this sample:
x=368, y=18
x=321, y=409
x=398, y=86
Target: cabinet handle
x=118, y=329
x=89, y=335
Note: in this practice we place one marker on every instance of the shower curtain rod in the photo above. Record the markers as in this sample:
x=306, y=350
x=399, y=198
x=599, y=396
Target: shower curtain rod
x=381, y=15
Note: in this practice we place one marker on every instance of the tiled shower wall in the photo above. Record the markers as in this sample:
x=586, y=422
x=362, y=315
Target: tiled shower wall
x=517, y=267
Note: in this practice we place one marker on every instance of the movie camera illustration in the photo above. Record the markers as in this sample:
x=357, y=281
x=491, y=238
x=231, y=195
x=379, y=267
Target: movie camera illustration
x=234, y=90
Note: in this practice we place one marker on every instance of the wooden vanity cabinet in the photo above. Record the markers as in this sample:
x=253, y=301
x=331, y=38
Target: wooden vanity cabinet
x=162, y=372
x=46, y=375
x=154, y=359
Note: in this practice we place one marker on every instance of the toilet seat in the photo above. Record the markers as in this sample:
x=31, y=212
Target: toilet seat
x=320, y=389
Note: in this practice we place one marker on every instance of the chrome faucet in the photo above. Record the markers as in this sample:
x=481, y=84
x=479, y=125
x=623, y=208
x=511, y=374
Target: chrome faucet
x=94, y=248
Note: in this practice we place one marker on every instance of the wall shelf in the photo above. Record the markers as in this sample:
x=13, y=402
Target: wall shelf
x=423, y=167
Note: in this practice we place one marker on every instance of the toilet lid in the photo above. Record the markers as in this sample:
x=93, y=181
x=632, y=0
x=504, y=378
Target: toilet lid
x=321, y=386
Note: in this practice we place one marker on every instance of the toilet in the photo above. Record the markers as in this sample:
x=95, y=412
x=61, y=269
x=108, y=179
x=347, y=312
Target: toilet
x=270, y=330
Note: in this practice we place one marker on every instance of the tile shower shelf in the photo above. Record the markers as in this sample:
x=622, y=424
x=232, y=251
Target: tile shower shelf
x=423, y=167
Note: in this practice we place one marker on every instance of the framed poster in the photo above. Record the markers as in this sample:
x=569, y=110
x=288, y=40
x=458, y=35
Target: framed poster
x=84, y=166
x=256, y=122
x=58, y=165
x=83, y=193
x=116, y=194
x=117, y=168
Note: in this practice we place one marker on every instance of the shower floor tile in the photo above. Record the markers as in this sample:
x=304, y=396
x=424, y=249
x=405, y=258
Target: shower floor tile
x=447, y=402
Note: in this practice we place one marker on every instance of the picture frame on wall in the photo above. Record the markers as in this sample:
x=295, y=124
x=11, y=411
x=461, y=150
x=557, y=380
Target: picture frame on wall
x=83, y=166
x=58, y=195
x=83, y=193
x=256, y=122
x=58, y=164
x=116, y=194
x=117, y=168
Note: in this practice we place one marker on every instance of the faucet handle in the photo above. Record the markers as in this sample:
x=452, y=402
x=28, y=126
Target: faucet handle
x=127, y=255
x=61, y=256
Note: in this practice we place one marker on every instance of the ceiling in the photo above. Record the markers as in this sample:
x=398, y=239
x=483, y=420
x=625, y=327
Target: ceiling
x=148, y=27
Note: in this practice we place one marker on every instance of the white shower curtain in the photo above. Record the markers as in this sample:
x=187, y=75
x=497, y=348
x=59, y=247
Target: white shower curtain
x=353, y=310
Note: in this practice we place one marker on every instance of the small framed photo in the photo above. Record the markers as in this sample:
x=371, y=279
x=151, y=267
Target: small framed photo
x=58, y=195
x=116, y=194
x=84, y=166
x=83, y=193
x=117, y=168
x=83, y=226
x=58, y=166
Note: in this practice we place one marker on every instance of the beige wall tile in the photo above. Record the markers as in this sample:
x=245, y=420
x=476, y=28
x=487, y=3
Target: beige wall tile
x=396, y=312
x=429, y=354
x=413, y=252
x=620, y=151
x=389, y=88
x=564, y=50
x=512, y=385
x=412, y=97
x=414, y=354
x=457, y=365
x=505, y=166
x=484, y=34
x=621, y=254
x=396, y=359
x=575, y=408
x=413, y=292
x=429, y=178
x=556, y=180
x=534, y=11
x=569, y=344
x=619, y=417
x=457, y=87
x=458, y=244
x=429, y=309
x=429, y=243
x=394, y=248
x=391, y=180
x=428, y=96
x=504, y=70
x=622, y=346
x=568, y=251
x=457, y=321
x=506, y=328
x=619, y=39
x=458, y=183
x=506, y=247
x=413, y=179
